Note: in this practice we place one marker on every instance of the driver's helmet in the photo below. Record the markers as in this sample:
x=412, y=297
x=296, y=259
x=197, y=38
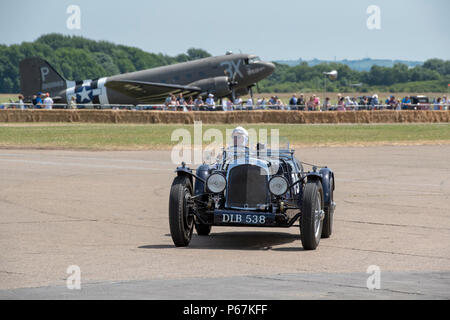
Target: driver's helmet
x=240, y=137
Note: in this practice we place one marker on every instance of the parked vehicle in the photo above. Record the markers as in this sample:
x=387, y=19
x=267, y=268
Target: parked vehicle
x=420, y=103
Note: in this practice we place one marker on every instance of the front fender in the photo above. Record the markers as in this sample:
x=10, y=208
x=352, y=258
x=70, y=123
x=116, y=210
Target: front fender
x=323, y=176
x=202, y=172
x=326, y=174
x=186, y=172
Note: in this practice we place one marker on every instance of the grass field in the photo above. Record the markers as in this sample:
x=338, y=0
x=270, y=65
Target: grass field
x=138, y=137
x=5, y=97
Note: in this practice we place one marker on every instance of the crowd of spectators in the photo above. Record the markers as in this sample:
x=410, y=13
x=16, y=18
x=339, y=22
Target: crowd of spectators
x=42, y=101
x=296, y=102
x=311, y=103
x=38, y=101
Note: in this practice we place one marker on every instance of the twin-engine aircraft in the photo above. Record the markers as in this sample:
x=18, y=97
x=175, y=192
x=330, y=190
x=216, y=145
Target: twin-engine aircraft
x=223, y=76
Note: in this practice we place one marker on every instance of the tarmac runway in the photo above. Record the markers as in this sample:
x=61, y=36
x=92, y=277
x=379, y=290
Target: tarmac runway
x=107, y=212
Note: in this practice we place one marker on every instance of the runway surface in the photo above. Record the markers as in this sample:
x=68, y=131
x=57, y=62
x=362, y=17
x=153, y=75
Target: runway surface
x=106, y=212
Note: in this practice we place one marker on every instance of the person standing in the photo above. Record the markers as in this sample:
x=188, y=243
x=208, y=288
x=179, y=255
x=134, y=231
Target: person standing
x=173, y=102
x=293, y=100
x=349, y=103
x=326, y=104
x=48, y=102
x=249, y=103
x=73, y=103
x=238, y=102
x=263, y=103
x=406, y=103
x=190, y=103
x=301, y=102
x=398, y=105
x=210, y=102
x=374, y=102
x=227, y=105
x=181, y=100
x=317, y=104
x=37, y=101
x=21, y=104
x=310, y=104
x=279, y=103
x=168, y=99
x=341, y=104
x=224, y=104
x=438, y=104
x=339, y=97
x=258, y=103
x=198, y=102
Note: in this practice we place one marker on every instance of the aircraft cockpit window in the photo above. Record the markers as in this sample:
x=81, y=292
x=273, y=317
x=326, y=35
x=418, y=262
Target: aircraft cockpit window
x=254, y=59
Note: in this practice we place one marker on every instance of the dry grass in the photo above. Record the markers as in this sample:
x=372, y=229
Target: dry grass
x=158, y=136
x=5, y=97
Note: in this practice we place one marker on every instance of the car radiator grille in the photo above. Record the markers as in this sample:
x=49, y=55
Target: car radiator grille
x=247, y=187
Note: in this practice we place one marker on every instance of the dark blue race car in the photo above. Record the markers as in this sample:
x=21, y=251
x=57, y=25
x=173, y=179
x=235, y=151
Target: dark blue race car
x=258, y=188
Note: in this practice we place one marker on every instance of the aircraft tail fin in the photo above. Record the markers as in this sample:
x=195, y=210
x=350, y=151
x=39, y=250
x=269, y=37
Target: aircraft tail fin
x=37, y=75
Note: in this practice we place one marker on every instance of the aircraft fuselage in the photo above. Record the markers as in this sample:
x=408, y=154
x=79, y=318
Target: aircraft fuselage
x=240, y=70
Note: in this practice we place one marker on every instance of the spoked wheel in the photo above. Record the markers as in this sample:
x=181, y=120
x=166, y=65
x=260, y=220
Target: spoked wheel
x=327, y=229
x=181, y=220
x=312, y=215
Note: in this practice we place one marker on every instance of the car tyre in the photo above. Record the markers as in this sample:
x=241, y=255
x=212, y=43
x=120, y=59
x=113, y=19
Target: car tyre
x=312, y=214
x=327, y=228
x=181, y=220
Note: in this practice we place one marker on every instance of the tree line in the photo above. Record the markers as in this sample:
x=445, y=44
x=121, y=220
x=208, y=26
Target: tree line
x=432, y=76
x=78, y=58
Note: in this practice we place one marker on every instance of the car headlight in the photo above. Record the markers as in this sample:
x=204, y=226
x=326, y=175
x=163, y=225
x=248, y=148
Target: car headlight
x=216, y=183
x=278, y=185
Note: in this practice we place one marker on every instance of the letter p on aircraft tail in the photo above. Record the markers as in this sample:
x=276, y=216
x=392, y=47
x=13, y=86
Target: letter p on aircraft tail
x=37, y=75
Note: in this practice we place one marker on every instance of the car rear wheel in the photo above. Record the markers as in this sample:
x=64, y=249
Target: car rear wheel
x=312, y=215
x=327, y=229
x=181, y=220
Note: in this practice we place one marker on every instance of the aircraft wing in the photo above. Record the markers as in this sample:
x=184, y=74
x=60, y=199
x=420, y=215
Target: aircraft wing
x=150, y=92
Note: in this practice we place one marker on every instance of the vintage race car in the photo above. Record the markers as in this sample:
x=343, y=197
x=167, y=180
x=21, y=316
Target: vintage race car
x=259, y=188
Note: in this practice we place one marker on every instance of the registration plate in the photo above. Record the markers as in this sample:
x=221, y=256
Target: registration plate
x=248, y=218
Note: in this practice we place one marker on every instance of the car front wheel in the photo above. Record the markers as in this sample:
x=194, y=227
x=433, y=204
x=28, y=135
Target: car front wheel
x=181, y=220
x=312, y=215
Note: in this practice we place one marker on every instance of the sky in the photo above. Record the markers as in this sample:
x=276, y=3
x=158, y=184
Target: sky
x=274, y=30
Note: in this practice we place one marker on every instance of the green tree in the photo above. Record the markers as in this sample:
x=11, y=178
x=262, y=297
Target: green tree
x=194, y=54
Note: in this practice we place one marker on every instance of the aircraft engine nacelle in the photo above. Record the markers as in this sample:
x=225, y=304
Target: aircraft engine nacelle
x=219, y=86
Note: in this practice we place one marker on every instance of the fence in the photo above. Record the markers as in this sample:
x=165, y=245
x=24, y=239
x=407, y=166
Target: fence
x=161, y=107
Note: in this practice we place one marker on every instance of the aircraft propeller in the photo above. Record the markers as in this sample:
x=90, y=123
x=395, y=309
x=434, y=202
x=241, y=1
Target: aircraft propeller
x=232, y=84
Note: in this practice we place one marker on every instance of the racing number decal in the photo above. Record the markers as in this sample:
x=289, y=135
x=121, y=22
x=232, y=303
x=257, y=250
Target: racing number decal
x=249, y=219
x=255, y=219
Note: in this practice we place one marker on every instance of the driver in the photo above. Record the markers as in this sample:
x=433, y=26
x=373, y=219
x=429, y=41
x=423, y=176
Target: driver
x=239, y=137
